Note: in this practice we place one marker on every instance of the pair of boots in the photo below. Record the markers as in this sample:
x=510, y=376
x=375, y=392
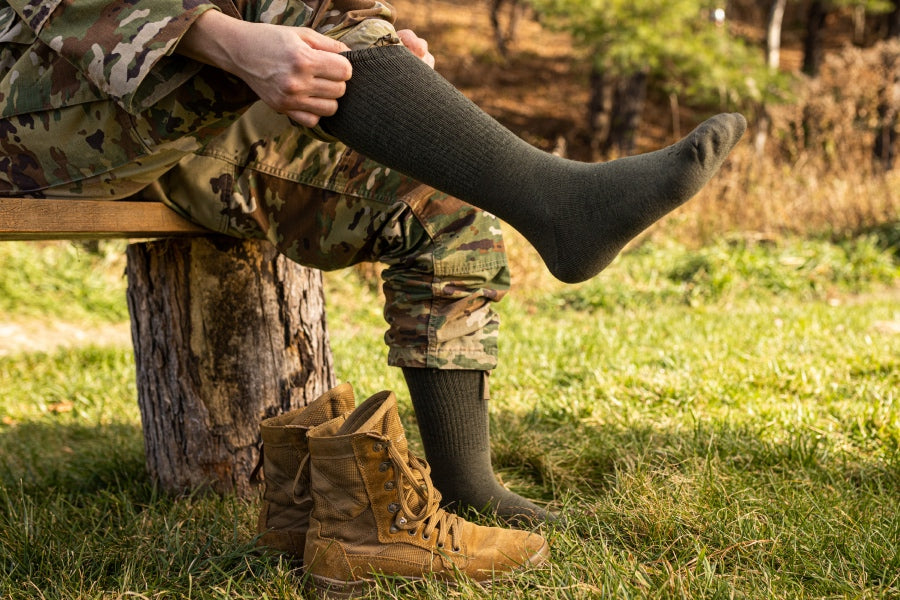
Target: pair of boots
x=343, y=493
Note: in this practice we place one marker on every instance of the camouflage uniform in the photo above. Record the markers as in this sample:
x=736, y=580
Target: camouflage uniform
x=95, y=104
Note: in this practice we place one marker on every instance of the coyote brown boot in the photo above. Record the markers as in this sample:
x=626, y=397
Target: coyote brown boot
x=375, y=511
x=284, y=514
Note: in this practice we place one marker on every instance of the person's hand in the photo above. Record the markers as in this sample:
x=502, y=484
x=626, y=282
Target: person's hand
x=416, y=45
x=295, y=70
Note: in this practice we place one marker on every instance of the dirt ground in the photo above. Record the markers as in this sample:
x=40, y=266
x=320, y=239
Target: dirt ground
x=48, y=336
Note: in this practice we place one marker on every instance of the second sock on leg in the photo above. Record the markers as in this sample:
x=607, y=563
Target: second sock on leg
x=454, y=424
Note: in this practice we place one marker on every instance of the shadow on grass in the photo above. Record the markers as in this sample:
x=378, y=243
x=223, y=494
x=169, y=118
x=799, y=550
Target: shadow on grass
x=886, y=234
x=553, y=459
x=78, y=514
x=71, y=458
x=80, y=518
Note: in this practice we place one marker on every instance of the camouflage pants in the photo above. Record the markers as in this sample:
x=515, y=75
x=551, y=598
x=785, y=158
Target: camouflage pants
x=327, y=207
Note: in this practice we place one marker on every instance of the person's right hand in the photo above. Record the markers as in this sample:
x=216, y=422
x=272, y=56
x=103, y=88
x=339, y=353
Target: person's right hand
x=295, y=70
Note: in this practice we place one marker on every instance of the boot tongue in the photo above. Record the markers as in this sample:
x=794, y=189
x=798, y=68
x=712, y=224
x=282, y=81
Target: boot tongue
x=378, y=415
x=329, y=405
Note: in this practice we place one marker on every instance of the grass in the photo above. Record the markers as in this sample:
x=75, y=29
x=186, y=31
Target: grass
x=67, y=282
x=717, y=422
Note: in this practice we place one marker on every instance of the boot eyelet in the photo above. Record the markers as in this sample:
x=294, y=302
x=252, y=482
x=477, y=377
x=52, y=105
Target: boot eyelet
x=394, y=529
x=457, y=549
x=440, y=545
x=393, y=507
x=384, y=466
x=389, y=485
x=401, y=521
x=377, y=447
x=426, y=537
x=412, y=532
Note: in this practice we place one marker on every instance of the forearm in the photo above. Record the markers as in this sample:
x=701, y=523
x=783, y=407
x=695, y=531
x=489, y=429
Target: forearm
x=215, y=39
x=295, y=70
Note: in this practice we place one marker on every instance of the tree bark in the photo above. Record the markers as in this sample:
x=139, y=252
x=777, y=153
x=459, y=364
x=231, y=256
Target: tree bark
x=629, y=97
x=773, y=33
x=226, y=332
x=812, y=44
x=599, y=110
x=885, y=143
x=893, y=21
x=773, y=60
x=503, y=38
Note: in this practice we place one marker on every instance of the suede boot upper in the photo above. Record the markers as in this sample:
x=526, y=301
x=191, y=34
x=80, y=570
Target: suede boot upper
x=376, y=511
x=284, y=514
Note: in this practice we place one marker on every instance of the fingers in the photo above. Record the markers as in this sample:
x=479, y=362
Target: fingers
x=328, y=63
x=333, y=67
x=320, y=99
x=416, y=45
x=304, y=118
x=317, y=80
x=326, y=88
x=321, y=42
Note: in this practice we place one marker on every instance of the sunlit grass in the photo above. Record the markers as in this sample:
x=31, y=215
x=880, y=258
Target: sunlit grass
x=714, y=422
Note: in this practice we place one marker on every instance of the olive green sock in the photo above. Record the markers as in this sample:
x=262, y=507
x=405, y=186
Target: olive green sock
x=578, y=216
x=453, y=420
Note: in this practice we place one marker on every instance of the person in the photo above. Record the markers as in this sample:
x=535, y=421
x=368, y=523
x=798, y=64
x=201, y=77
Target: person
x=321, y=127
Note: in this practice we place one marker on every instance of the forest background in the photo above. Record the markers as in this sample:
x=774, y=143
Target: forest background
x=819, y=82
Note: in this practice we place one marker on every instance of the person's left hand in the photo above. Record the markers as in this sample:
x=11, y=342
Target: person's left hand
x=416, y=45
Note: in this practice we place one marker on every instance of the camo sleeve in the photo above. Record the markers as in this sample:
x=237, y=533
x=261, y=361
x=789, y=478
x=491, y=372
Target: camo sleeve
x=124, y=48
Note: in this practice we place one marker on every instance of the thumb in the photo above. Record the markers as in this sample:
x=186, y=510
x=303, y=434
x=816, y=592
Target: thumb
x=321, y=42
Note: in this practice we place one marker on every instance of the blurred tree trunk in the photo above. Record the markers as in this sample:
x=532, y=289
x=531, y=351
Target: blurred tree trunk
x=616, y=106
x=773, y=60
x=893, y=21
x=599, y=110
x=773, y=33
x=884, y=149
x=226, y=332
x=812, y=43
x=859, y=25
x=503, y=37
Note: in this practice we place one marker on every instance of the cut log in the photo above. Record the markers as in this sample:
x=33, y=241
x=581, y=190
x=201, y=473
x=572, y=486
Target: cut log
x=226, y=332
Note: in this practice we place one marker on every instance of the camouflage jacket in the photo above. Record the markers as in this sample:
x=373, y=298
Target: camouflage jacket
x=87, y=86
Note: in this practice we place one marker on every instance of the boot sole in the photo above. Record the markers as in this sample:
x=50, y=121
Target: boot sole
x=326, y=588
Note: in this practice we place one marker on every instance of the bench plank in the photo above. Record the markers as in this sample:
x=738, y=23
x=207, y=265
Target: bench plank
x=41, y=219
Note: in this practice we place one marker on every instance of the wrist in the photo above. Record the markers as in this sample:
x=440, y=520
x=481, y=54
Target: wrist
x=212, y=40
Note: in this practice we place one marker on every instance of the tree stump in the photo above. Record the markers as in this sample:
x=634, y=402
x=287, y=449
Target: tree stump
x=226, y=333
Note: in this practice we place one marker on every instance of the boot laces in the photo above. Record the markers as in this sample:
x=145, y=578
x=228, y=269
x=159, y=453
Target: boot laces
x=419, y=500
x=300, y=488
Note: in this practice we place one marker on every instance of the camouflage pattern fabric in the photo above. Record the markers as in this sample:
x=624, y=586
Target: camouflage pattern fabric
x=91, y=86
x=94, y=103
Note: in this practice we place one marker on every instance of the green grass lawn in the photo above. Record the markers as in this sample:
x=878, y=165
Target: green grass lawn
x=716, y=423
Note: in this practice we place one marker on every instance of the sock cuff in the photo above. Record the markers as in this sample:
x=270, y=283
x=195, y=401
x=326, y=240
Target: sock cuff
x=395, y=102
x=377, y=53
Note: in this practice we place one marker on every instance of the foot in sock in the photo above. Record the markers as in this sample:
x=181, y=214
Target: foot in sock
x=452, y=412
x=463, y=489
x=578, y=216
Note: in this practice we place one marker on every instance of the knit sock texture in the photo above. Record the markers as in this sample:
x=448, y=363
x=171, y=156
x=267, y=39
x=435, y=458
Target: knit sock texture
x=454, y=424
x=578, y=216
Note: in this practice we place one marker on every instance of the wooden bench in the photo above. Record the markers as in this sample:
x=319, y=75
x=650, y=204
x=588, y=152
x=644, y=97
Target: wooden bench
x=30, y=219
x=226, y=332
